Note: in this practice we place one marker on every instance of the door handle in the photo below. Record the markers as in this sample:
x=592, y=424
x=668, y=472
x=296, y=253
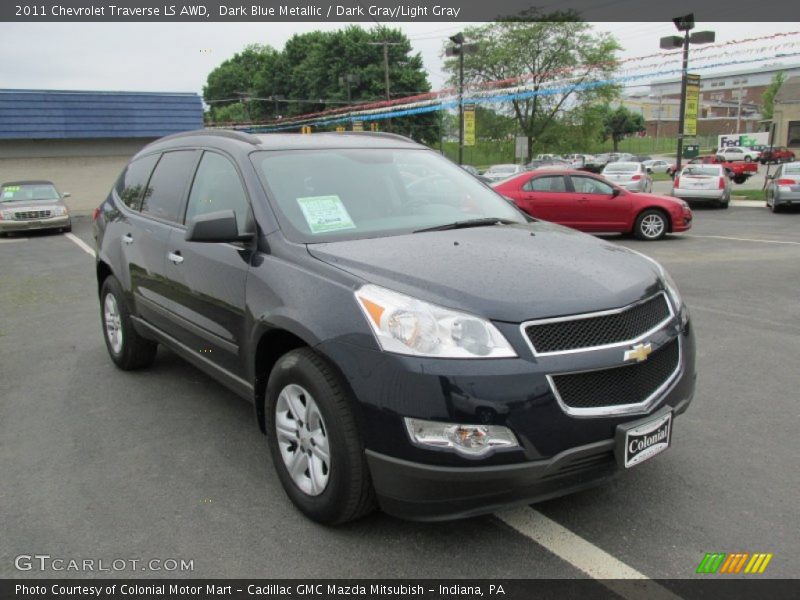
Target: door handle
x=583, y=199
x=175, y=257
x=127, y=239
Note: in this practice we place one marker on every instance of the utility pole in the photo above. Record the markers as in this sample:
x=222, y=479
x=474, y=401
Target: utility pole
x=739, y=111
x=658, y=119
x=386, y=44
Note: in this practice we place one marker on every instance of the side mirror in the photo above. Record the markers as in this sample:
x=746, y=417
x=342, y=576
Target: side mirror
x=217, y=226
x=616, y=192
x=66, y=195
x=649, y=169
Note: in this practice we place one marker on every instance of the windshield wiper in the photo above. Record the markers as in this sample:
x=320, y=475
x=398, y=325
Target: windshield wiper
x=484, y=222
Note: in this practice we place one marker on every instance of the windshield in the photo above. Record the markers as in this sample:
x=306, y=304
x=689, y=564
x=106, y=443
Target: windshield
x=337, y=194
x=704, y=170
x=28, y=192
x=621, y=167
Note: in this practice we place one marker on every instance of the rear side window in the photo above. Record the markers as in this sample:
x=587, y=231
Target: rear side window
x=133, y=181
x=217, y=187
x=546, y=184
x=165, y=192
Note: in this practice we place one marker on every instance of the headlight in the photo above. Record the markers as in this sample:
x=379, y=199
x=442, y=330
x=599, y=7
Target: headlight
x=59, y=211
x=669, y=283
x=405, y=325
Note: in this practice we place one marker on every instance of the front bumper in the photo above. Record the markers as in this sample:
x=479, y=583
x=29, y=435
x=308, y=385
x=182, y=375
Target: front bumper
x=33, y=224
x=715, y=195
x=558, y=453
x=423, y=492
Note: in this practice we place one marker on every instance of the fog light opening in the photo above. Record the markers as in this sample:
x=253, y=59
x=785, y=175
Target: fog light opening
x=467, y=439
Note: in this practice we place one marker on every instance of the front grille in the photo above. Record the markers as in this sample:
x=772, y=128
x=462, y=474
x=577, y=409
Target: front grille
x=618, y=386
x=31, y=214
x=589, y=332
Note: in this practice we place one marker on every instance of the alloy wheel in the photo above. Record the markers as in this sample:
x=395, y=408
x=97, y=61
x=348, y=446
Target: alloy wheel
x=303, y=439
x=113, y=323
x=652, y=226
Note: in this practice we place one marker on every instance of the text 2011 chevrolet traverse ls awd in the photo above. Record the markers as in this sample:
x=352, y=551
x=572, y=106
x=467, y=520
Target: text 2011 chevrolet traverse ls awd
x=409, y=338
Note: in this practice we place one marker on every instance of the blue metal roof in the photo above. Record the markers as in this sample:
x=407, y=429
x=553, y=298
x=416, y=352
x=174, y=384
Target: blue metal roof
x=55, y=114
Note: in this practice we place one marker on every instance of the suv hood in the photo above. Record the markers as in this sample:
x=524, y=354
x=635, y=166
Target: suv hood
x=507, y=273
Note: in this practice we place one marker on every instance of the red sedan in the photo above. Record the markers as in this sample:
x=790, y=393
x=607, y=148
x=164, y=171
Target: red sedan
x=590, y=203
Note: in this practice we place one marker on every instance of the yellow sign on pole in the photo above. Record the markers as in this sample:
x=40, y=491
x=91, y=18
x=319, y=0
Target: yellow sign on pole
x=340, y=128
x=692, y=105
x=469, y=124
x=358, y=125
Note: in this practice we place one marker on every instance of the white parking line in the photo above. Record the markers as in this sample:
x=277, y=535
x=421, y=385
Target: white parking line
x=737, y=239
x=12, y=240
x=583, y=555
x=80, y=243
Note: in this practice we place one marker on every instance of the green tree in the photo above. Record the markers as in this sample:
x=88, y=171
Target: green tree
x=235, y=79
x=619, y=123
x=308, y=76
x=492, y=124
x=768, y=97
x=560, y=58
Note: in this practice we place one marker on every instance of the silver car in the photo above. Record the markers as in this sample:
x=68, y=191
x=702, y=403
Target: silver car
x=783, y=189
x=632, y=176
x=703, y=183
x=26, y=205
x=657, y=166
x=498, y=172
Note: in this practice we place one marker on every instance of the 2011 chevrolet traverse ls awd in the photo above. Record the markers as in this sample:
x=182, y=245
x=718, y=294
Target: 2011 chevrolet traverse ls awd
x=407, y=336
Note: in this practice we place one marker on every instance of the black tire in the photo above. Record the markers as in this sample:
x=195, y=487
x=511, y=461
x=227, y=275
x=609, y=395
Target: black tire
x=134, y=352
x=348, y=494
x=748, y=158
x=774, y=207
x=647, y=216
x=739, y=179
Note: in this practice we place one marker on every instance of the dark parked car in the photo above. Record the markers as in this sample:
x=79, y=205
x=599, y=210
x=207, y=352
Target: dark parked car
x=27, y=205
x=415, y=341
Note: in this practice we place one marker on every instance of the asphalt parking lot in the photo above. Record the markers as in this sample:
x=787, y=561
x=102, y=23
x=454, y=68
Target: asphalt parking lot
x=166, y=463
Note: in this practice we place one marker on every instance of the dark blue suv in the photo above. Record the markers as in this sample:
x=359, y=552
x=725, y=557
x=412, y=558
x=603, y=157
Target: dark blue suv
x=408, y=337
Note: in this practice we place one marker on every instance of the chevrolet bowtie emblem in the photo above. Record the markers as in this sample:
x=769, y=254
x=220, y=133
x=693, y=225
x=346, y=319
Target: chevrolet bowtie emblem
x=639, y=352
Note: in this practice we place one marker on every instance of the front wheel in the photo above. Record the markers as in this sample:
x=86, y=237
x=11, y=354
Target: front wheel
x=739, y=179
x=650, y=225
x=314, y=440
x=126, y=347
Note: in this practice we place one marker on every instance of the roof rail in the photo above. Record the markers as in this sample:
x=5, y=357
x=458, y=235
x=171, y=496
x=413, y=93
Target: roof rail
x=384, y=134
x=226, y=133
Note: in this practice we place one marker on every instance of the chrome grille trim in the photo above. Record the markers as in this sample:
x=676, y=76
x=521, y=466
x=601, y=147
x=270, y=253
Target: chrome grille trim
x=602, y=313
x=25, y=215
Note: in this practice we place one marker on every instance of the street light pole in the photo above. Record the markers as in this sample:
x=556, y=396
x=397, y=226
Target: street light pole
x=460, y=48
x=684, y=24
x=682, y=109
x=461, y=106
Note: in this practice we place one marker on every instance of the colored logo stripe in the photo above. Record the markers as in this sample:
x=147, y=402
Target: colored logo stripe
x=711, y=562
x=758, y=564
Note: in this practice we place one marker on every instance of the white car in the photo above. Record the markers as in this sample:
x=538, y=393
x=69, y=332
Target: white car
x=738, y=153
x=657, y=166
x=703, y=183
x=498, y=172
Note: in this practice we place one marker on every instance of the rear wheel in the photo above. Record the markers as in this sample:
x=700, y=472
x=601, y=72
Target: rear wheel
x=651, y=225
x=314, y=440
x=126, y=347
x=739, y=179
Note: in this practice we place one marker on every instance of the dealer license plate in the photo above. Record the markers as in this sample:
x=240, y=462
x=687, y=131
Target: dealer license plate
x=639, y=441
